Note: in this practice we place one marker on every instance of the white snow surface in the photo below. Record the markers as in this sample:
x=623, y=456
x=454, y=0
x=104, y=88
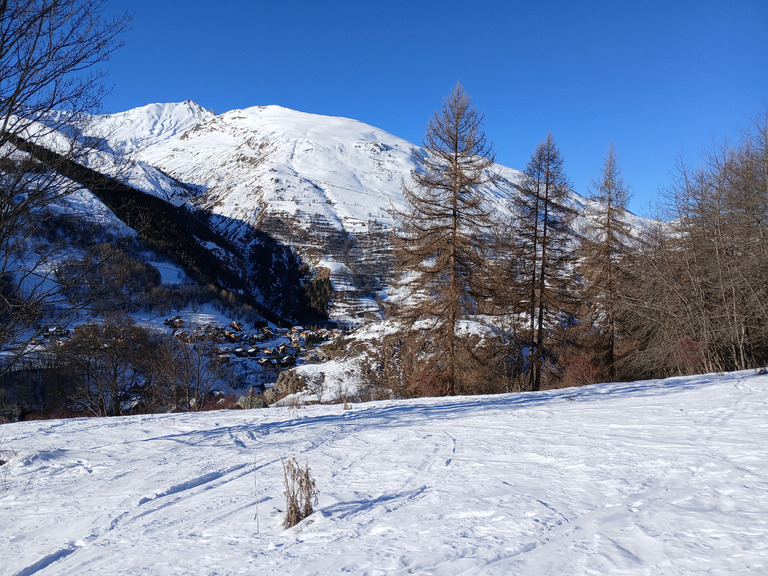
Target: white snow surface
x=658, y=477
x=147, y=125
x=339, y=169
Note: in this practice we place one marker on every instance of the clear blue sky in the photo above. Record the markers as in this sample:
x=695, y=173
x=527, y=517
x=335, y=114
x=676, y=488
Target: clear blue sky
x=659, y=79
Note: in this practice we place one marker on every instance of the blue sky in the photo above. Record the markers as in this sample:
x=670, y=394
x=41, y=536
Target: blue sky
x=659, y=79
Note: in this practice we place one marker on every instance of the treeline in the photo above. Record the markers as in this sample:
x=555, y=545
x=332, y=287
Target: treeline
x=528, y=303
x=695, y=291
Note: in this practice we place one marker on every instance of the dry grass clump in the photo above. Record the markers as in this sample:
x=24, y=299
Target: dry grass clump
x=300, y=492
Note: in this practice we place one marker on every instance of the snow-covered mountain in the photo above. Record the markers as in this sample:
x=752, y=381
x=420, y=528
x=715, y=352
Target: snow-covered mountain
x=325, y=186
x=311, y=182
x=252, y=164
x=649, y=478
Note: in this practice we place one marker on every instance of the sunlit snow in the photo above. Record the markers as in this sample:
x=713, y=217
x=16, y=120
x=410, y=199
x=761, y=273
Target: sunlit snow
x=658, y=477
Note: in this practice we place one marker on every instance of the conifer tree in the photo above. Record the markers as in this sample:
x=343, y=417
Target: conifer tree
x=544, y=233
x=602, y=248
x=442, y=248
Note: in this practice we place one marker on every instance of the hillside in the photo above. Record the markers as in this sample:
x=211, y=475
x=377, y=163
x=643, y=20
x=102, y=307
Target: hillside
x=657, y=477
x=263, y=214
x=325, y=186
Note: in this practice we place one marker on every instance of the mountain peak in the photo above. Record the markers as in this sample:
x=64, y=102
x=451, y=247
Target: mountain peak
x=152, y=123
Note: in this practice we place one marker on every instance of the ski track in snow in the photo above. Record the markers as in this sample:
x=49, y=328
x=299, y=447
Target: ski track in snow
x=657, y=477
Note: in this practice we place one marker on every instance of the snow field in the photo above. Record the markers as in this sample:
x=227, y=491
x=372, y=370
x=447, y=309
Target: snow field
x=657, y=477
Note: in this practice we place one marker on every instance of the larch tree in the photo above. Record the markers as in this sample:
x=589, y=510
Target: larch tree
x=543, y=229
x=603, y=247
x=442, y=247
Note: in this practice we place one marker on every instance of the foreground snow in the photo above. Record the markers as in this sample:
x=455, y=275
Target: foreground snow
x=659, y=477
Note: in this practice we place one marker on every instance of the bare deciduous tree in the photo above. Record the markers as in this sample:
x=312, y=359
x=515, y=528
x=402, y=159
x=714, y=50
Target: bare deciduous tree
x=699, y=301
x=187, y=374
x=104, y=365
x=50, y=51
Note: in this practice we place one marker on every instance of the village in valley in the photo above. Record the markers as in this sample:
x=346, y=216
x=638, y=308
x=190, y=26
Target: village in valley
x=257, y=356
x=251, y=359
x=269, y=347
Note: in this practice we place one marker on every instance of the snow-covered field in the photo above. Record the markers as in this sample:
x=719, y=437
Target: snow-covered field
x=658, y=477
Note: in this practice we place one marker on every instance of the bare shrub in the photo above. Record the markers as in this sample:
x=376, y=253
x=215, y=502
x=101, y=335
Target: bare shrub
x=580, y=369
x=251, y=401
x=300, y=492
x=6, y=453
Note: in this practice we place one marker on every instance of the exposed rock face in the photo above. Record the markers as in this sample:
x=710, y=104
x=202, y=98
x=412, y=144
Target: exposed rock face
x=272, y=395
x=288, y=382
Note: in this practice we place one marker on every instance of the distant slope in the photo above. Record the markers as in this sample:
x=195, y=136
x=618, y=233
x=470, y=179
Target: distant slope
x=142, y=127
x=270, y=158
x=186, y=237
x=325, y=186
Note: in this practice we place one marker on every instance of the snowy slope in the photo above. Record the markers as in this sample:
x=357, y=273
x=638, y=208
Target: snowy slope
x=653, y=478
x=273, y=159
x=319, y=184
x=269, y=157
x=147, y=125
x=325, y=186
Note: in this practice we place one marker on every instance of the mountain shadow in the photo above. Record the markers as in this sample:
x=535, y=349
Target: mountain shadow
x=260, y=271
